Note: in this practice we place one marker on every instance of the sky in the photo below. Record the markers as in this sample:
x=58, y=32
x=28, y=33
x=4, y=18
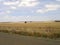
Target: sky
x=29, y=10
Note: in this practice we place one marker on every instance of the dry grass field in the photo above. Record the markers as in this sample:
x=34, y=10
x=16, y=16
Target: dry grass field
x=37, y=29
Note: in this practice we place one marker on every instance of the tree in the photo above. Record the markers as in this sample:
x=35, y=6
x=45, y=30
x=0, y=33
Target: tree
x=25, y=22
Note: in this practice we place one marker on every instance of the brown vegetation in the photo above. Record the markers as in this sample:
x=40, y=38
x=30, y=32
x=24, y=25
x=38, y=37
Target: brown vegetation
x=37, y=29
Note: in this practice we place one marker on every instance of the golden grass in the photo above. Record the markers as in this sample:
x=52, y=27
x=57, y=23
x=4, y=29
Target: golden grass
x=38, y=29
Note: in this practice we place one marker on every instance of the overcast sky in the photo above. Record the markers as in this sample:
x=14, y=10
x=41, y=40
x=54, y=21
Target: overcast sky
x=29, y=10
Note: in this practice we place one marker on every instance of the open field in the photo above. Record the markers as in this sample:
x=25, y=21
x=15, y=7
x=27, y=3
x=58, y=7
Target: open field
x=37, y=29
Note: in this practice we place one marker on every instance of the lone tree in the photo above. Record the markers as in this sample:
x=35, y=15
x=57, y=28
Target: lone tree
x=25, y=22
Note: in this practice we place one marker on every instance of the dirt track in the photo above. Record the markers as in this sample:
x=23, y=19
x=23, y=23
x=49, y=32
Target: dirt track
x=13, y=39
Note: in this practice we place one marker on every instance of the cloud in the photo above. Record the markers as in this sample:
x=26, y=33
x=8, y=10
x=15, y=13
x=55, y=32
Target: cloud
x=28, y=3
x=24, y=3
x=41, y=11
x=57, y=0
x=11, y=3
x=7, y=11
x=52, y=7
x=48, y=7
x=13, y=7
x=10, y=18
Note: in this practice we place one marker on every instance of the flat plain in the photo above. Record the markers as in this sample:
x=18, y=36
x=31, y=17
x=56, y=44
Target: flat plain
x=29, y=33
x=37, y=29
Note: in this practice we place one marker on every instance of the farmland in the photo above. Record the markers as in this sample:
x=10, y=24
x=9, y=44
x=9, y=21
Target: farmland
x=37, y=29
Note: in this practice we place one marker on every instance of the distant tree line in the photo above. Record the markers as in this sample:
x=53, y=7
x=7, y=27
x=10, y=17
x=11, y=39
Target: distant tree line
x=57, y=20
x=27, y=21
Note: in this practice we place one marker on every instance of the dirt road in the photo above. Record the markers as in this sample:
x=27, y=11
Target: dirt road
x=13, y=39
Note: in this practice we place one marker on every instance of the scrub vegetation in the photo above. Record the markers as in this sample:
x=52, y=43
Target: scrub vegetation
x=37, y=29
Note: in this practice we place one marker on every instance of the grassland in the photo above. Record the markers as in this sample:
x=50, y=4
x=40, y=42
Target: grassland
x=37, y=29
